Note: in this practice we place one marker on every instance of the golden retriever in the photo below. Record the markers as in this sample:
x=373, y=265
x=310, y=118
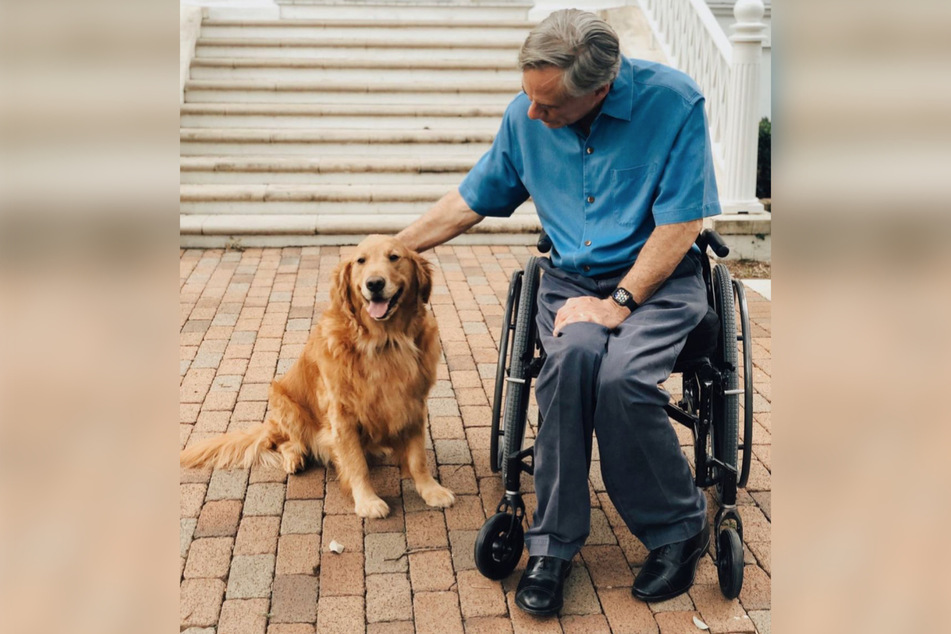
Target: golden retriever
x=360, y=386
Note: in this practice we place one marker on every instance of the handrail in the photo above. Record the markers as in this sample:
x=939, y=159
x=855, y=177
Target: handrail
x=694, y=43
x=727, y=71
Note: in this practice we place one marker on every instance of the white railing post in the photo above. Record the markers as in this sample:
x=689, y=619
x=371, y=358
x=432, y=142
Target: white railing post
x=742, y=125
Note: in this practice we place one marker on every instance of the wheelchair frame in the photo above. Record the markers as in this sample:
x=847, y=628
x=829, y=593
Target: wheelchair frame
x=710, y=394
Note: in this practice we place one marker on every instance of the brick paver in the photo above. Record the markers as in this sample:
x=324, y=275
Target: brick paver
x=257, y=535
x=250, y=576
x=294, y=599
x=298, y=554
x=389, y=598
x=209, y=558
x=255, y=542
x=219, y=518
x=245, y=616
x=386, y=552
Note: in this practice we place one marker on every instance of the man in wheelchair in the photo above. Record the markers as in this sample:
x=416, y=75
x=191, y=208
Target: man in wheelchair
x=616, y=156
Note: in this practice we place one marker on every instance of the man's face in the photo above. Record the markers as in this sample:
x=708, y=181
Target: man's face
x=550, y=104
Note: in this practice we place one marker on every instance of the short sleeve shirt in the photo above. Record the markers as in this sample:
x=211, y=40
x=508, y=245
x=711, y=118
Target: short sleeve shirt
x=647, y=161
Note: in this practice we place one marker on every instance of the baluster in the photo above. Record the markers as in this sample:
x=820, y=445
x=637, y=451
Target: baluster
x=742, y=117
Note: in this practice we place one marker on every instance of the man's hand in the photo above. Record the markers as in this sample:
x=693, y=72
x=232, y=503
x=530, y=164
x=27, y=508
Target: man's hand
x=599, y=311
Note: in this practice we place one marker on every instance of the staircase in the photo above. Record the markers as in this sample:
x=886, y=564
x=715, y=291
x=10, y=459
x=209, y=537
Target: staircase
x=338, y=120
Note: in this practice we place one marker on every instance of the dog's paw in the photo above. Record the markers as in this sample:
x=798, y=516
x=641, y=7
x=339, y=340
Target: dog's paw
x=372, y=507
x=438, y=496
x=294, y=463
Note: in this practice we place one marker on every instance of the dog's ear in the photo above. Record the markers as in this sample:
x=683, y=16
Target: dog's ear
x=424, y=276
x=340, y=293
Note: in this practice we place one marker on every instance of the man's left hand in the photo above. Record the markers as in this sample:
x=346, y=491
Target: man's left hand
x=599, y=311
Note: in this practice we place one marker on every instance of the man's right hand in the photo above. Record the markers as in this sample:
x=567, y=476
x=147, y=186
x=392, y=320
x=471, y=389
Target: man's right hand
x=591, y=309
x=445, y=220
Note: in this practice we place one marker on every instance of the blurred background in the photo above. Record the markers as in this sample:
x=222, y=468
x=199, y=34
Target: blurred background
x=88, y=315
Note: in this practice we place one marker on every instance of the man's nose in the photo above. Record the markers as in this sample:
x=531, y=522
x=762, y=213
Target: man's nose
x=533, y=111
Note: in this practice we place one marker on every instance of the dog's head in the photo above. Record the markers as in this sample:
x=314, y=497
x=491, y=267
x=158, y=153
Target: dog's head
x=383, y=278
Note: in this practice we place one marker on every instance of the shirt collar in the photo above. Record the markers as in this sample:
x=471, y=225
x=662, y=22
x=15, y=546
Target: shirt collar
x=620, y=100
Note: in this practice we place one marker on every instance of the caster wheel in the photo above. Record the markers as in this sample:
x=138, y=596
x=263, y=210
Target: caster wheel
x=730, y=563
x=497, y=554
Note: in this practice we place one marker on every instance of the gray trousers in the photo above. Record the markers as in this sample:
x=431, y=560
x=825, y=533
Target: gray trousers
x=607, y=381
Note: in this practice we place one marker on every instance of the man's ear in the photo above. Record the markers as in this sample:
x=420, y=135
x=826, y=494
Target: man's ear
x=424, y=276
x=340, y=293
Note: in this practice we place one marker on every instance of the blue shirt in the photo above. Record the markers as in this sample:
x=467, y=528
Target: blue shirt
x=646, y=162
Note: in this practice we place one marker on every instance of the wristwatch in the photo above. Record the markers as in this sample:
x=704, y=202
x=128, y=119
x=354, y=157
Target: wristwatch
x=623, y=297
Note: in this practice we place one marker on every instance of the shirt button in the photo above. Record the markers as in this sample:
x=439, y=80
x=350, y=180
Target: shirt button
x=590, y=199
x=587, y=243
x=586, y=268
x=590, y=150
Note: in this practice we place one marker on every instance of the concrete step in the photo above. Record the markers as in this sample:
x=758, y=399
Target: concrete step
x=357, y=170
x=200, y=177
x=341, y=120
x=334, y=143
x=372, y=31
x=302, y=116
x=201, y=230
x=357, y=51
x=381, y=201
x=342, y=92
x=418, y=11
x=310, y=69
x=259, y=199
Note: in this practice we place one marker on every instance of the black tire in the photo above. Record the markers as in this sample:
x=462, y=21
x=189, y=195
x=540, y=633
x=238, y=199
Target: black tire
x=520, y=379
x=726, y=407
x=496, y=552
x=501, y=370
x=744, y=314
x=730, y=563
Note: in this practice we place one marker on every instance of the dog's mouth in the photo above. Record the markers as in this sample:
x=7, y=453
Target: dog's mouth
x=380, y=308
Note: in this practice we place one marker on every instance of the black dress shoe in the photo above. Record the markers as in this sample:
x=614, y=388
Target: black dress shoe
x=669, y=570
x=541, y=590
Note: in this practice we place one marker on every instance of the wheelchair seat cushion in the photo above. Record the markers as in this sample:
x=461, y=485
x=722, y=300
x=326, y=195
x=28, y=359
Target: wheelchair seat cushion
x=701, y=342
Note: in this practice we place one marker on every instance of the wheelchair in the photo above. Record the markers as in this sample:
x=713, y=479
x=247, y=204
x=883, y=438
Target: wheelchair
x=708, y=407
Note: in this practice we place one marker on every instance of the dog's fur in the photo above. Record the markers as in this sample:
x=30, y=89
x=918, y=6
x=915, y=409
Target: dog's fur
x=360, y=386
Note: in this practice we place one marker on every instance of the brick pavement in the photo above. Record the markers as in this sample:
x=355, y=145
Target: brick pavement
x=254, y=543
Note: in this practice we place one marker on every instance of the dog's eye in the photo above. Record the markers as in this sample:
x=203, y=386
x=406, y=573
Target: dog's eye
x=361, y=260
x=394, y=257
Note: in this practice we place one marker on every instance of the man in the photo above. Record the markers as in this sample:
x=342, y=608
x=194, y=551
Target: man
x=616, y=156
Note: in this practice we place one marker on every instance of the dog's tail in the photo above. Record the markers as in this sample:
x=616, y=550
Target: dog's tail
x=240, y=449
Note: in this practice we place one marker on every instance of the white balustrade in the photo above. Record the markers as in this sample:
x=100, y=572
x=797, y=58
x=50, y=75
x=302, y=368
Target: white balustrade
x=727, y=71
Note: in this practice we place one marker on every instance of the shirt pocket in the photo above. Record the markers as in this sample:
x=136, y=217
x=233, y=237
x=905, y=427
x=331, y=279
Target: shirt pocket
x=632, y=189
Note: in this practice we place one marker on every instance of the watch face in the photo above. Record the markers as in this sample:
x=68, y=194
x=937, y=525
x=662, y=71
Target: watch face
x=621, y=296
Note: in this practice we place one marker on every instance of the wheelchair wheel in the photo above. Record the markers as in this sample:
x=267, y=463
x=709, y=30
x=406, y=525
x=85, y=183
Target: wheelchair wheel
x=496, y=551
x=501, y=370
x=519, y=376
x=726, y=402
x=729, y=563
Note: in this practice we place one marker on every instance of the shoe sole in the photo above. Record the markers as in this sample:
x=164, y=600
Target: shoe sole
x=671, y=595
x=539, y=612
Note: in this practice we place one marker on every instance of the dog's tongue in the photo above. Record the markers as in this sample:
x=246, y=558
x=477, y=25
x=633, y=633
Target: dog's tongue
x=377, y=309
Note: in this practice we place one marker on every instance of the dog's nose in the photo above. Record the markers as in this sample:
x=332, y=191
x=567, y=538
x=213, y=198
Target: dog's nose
x=375, y=284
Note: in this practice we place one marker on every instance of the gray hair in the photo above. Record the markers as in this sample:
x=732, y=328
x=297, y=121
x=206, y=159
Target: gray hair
x=580, y=43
